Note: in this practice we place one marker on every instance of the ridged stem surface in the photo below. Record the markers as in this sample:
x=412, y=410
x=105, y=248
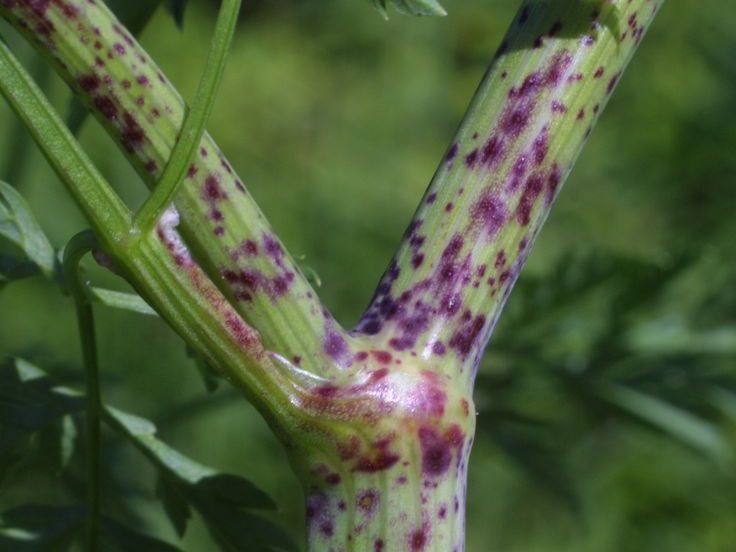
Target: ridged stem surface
x=225, y=229
x=546, y=88
x=379, y=424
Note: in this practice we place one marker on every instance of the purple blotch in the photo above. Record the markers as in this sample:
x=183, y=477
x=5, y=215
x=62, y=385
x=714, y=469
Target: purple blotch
x=452, y=152
x=471, y=158
x=532, y=188
x=489, y=212
x=465, y=337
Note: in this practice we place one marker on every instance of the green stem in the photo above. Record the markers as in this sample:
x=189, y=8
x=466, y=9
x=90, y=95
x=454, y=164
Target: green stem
x=538, y=103
x=193, y=127
x=78, y=246
x=107, y=214
x=158, y=265
x=220, y=221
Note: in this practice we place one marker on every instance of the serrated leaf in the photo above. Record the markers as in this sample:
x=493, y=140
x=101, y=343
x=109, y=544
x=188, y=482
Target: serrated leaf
x=219, y=498
x=29, y=402
x=222, y=487
x=121, y=300
x=19, y=226
x=143, y=434
x=40, y=528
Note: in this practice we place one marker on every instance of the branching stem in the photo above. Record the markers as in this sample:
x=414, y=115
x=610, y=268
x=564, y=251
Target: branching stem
x=193, y=127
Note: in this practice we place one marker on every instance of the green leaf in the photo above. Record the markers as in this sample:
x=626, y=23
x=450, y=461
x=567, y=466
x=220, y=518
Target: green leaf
x=411, y=7
x=670, y=419
x=39, y=528
x=120, y=538
x=30, y=402
x=174, y=503
x=226, y=488
x=42, y=528
x=68, y=437
x=121, y=300
x=12, y=269
x=142, y=433
x=235, y=531
x=221, y=499
x=235, y=491
x=10, y=463
x=176, y=9
x=53, y=446
x=18, y=225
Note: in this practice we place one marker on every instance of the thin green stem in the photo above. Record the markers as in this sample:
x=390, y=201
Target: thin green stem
x=158, y=265
x=78, y=246
x=194, y=123
x=108, y=215
x=467, y=243
x=220, y=221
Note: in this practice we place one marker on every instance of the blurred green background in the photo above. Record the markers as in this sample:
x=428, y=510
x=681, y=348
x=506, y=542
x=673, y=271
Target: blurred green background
x=607, y=399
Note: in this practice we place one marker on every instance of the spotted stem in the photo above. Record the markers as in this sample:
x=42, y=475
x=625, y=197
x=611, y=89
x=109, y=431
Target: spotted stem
x=193, y=127
x=543, y=93
x=221, y=223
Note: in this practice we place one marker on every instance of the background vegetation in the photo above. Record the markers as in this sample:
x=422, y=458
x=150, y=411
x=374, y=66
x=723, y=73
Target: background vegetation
x=607, y=400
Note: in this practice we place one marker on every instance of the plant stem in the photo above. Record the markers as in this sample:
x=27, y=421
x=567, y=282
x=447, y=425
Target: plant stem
x=158, y=265
x=77, y=247
x=192, y=129
x=220, y=221
x=107, y=214
x=467, y=243
x=382, y=448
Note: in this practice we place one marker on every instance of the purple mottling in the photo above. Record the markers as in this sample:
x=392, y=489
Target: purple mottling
x=489, y=212
x=452, y=152
x=335, y=346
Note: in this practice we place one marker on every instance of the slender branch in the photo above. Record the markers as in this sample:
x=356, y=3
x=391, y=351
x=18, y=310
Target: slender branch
x=475, y=226
x=158, y=265
x=192, y=129
x=78, y=246
x=107, y=214
x=220, y=221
